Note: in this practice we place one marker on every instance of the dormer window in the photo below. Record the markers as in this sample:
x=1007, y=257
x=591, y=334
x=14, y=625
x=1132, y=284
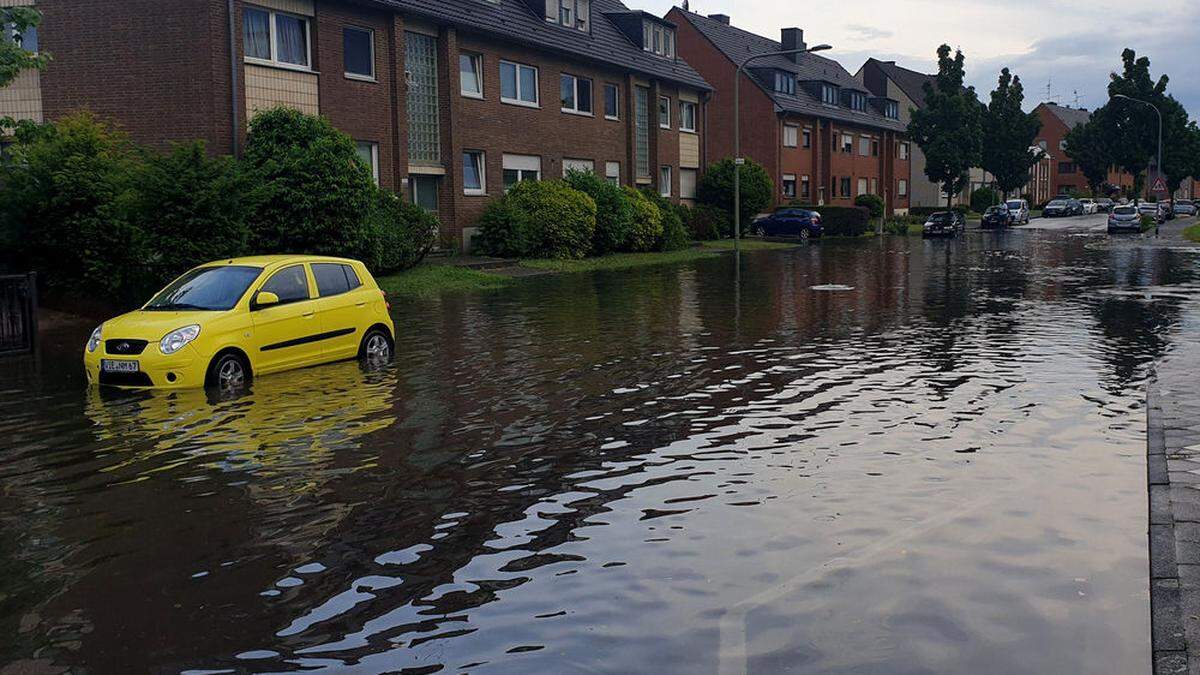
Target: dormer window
x=891, y=110
x=785, y=83
x=570, y=13
x=856, y=101
x=829, y=94
x=658, y=39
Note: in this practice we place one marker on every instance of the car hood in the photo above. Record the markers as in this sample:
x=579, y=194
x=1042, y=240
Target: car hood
x=143, y=325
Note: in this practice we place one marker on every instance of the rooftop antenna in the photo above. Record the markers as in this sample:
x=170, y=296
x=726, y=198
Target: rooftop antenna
x=1049, y=92
x=685, y=6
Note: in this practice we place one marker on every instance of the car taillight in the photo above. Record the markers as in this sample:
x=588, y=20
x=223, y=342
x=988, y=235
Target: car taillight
x=385, y=300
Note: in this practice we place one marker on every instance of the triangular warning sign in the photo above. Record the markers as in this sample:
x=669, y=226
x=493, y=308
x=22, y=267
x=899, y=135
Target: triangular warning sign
x=1160, y=185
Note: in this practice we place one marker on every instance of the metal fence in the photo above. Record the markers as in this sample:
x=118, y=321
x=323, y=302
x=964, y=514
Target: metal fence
x=18, y=313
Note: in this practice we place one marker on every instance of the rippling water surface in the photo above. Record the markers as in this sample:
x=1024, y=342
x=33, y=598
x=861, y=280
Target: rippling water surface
x=933, y=462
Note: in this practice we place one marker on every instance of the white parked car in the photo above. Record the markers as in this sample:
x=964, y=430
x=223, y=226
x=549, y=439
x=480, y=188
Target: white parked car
x=1185, y=207
x=1089, y=206
x=1020, y=210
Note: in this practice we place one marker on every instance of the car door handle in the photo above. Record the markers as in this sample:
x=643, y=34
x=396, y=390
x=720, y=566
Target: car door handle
x=361, y=304
x=307, y=315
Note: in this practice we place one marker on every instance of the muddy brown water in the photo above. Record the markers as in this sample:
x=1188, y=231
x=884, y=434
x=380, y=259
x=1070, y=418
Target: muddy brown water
x=933, y=462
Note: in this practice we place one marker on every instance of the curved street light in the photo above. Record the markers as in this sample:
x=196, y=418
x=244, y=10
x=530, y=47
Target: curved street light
x=1158, y=166
x=737, y=133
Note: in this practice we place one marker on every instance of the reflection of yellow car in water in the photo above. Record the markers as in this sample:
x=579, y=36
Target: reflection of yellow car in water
x=224, y=322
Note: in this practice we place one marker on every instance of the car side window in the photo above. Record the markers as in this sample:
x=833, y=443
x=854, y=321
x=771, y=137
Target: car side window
x=290, y=284
x=351, y=277
x=331, y=279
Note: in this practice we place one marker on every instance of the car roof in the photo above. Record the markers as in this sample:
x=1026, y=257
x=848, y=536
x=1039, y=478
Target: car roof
x=278, y=260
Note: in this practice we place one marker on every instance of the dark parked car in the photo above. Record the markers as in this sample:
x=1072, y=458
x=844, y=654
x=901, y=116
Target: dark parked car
x=1105, y=204
x=997, y=216
x=789, y=222
x=1063, y=207
x=944, y=224
x=1125, y=218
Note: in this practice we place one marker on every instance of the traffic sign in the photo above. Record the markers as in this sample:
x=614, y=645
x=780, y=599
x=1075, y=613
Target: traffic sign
x=1160, y=185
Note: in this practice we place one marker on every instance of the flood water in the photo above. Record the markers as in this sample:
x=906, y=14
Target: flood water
x=933, y=463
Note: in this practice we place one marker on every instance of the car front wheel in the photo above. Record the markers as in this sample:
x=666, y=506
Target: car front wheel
x=228, y=373
x=376, y=347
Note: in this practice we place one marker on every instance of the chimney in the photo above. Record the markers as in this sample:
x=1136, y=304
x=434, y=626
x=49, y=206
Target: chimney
x=792, y=38
x=723, y=18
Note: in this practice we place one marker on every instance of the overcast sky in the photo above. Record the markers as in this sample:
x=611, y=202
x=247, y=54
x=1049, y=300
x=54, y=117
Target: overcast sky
x=1071, y=44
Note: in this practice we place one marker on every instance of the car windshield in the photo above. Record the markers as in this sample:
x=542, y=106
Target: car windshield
x=1124, y=211
x=1014, y=205
x=941, y=217
x=1057, y=202
x=1183, y=202
x=997, y=209
x=209, y=289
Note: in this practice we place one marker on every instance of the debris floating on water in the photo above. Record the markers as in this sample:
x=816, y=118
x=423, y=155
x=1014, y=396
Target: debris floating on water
x=832, y=287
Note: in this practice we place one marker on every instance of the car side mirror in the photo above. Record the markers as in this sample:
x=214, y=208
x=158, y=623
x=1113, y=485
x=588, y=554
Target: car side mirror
x=265, y=299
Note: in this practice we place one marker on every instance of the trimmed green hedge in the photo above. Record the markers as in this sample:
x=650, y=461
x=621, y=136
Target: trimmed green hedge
x=538, y=219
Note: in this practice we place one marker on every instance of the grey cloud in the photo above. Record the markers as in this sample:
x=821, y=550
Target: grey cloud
x=869, y=32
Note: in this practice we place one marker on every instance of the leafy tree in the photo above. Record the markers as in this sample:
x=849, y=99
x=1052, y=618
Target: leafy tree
x=312, y=195
x=14, y=57
x=716, y=189
x=1088, y=145
x=982, y=198
x=949, y=128
x=873, y=203
x=1008, y=133
x=1181, y=145
x=1132, y=128
x=191, y=209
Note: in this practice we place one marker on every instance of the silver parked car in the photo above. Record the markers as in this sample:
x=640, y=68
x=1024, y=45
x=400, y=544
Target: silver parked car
x=1125, y=218
x=1019, y=208
x=1156, y=210
x=1185, y=207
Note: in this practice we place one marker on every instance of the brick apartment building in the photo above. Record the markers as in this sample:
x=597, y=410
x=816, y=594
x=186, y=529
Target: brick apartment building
x=823, y=137
x=1065, y=176
x=450, y=101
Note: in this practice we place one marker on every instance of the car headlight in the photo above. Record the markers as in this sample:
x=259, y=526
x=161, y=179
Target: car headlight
x=93, y=342
x=178, y=339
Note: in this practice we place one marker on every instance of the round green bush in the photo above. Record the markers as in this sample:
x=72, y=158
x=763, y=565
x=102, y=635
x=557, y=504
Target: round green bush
x=873, y=203
x=538, y=219
x=502, y=231
x=402, y=233
x=614, y=212
x=982, y=198
x=647, y=222
x=705, y=223
x=757, y=189
x=674, y=234
x=313, y=194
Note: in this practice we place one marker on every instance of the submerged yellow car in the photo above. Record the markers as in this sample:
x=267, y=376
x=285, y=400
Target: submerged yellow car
x=222, y=323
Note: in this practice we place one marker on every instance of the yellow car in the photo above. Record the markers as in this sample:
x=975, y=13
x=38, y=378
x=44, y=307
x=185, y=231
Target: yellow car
x=222, y=323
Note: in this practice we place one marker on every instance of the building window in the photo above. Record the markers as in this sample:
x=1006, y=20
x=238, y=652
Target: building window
x=27, y=40
x=1066, y=167
x=424, y=133
x=664, y=181
x=358, y=52
x=687, y=116
x=570, y=13
x=576, y=95
x=845, y=187
x=891, y=110
x=829, y=94
x=862, y=186
x=857, y=101
x=789, y=186
x=847, y=144
x=368, y=154
x=664, y=112
x=902, y=189
x=864, y=146
x=612, y=102
x=789, y=135
x=470, y=75
x=875, y=186
x=904, y=151
x=805, y=188
x=474, y=169
x=275, y=37
x=518, y=84
x=874, y=147
x=518, y=168
x=612, y=172
x=581, y=165
x=687, y=183
x=1062, y=145
x=806, y=138
x=424, y=191
x=785, y=83
x=658, y=39
x=641, y=104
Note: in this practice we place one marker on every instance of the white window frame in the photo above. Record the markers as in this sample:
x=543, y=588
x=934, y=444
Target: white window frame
x=359, y=76
x=575, y=79
x=664, y=180
x=847, y=140
x=864, y=146
x=685, y=193
x=658, y=39
x=683, y=106
x=612, y=172
x=903, y=150
x=662, y=109
x=477, y=61
x=482, y=189
x=274, y=60
x=616, y=88
x=788, y=178
x=806, y=137
x=570, y=163
x=522, y=164
x=374, y=148
x=863, y=184
x=902, y=188
x=805, y=182
x=791, y=135
x=537, y=85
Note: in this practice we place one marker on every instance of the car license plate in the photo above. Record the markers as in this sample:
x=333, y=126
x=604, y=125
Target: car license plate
x=111, y=366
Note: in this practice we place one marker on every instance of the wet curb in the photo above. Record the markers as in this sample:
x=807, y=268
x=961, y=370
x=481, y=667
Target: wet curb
x=1173, y=479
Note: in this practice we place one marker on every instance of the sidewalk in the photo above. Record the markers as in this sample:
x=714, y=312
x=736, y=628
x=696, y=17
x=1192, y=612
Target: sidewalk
x=1173, y=470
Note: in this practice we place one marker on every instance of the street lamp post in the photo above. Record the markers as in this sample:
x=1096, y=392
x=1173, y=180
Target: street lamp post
x=1158, y=166
x=737, y=134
